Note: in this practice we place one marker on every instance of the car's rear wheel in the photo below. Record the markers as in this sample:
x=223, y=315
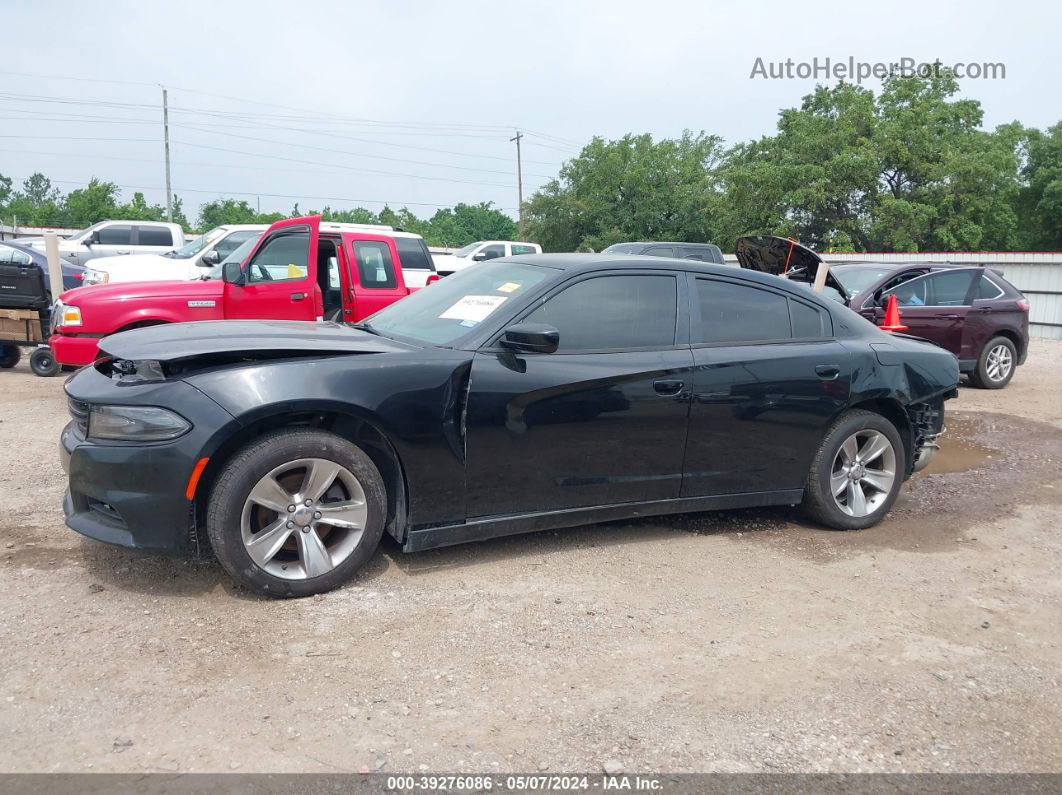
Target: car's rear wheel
x=995, y=366
x=296, y=512
x=856, y=473
x=9, y=356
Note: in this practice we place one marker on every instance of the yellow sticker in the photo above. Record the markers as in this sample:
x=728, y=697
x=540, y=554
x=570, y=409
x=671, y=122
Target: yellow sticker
x=509, y=287
x=295, y=272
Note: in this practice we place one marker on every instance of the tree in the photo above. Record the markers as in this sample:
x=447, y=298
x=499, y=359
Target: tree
x=95, y=202
x=907, y=170
x=226, y=211
x=630, y=189
x=38, y=190
x=1040, y=199
x=467, y=223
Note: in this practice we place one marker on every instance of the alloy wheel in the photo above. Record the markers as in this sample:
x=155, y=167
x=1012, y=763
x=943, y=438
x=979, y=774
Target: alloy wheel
x=999, y=363
x=863, y=473
x=303, y=518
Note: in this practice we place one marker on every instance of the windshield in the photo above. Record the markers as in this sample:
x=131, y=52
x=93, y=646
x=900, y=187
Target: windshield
x=857, y=278
x=238, y=255
x=466, y=251
x=190, y=249
x=620, y=248
x=449, y=309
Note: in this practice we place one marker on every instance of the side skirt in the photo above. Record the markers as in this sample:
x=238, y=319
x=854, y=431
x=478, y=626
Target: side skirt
x=497, y=526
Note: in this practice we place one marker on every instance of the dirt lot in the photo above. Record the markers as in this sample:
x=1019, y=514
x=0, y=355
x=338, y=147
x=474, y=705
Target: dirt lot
x=742, y=641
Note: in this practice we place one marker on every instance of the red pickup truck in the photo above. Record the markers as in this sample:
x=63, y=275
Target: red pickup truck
x=300, y=269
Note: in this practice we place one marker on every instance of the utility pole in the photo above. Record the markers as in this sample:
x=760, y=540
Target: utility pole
x=166, y=135
x=519, y=184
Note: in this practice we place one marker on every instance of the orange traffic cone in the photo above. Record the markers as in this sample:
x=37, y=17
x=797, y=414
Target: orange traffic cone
x=892, y=316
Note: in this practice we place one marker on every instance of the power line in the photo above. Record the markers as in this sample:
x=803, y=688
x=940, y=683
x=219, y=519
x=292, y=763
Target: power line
x=354, y=154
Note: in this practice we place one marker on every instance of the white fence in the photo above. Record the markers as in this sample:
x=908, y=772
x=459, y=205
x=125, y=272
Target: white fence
x=1038, y=274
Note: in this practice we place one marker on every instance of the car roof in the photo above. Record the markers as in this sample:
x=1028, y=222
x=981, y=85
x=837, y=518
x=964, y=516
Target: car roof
x=899, y=265
x=366, y=229
x=663, y=243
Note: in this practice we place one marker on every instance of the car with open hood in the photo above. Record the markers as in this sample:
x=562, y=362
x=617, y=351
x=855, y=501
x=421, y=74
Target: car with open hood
x=519, y=394
x=971, y=311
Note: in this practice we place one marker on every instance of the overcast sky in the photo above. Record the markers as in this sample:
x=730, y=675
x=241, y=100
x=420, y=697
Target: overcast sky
x=439, y=87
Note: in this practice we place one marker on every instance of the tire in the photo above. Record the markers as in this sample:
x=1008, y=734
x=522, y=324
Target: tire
x=829, y=469
x=10, y=355
x=42, y=362
x=298, y=553
x=995, y=365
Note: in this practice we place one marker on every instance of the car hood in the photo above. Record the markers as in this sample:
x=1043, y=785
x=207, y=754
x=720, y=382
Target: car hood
x=782, y=256
x=132, y=291
x=247, y=338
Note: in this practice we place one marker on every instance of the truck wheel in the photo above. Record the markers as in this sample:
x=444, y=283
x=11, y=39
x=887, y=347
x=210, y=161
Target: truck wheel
x=296, y=512
x=995, y=365
x=9, y=356
x=43, y=363
x=856, y=473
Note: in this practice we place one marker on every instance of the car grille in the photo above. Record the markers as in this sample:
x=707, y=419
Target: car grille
x=79, y=410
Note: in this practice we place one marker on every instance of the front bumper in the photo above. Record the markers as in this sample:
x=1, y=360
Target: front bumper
x=74, y=350
x=133, y=494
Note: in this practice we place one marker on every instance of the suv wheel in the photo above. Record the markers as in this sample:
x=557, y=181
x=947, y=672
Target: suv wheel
x=995, y=366
x=296, y=512
x=856, y=473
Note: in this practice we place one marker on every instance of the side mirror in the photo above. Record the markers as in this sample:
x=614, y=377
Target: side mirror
x=93, y=238
x=531, y=338
x=479, y=256
x=880, y=299
x=210, y=259
x=232, y=273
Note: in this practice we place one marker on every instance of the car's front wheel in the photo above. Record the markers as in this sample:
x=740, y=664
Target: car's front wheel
x=856, y=473
x=296, y=512
x=995, y=365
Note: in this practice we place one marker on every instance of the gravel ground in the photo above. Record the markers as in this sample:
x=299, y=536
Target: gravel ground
x=738, y=641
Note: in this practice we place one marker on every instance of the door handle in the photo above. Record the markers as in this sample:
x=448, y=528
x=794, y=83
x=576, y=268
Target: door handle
x=122, y=252
x=668, y=386
x=297, y=296
x=950, y=317
x=827, y=372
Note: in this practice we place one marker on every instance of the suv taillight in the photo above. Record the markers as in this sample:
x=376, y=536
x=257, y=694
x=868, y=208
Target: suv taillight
x=1023, y=304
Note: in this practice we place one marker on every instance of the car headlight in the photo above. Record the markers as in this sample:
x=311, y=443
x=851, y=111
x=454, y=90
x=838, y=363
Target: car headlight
x=71, y=316
x=135, y=424
x=95, y=277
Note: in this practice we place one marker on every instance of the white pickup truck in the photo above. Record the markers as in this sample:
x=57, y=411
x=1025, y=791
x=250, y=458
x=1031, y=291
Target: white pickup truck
x=110, y=238
x=197, y=257
x=446, y=264
x=186, y=262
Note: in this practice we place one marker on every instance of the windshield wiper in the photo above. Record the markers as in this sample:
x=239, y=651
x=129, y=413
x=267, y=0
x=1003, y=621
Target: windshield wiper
x=365, y=327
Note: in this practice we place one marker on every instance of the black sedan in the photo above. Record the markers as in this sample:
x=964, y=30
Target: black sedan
x=517, y=395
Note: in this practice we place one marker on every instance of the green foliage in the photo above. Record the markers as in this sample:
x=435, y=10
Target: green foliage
x=97, y=201
x=630, y=189
x=1040, y=199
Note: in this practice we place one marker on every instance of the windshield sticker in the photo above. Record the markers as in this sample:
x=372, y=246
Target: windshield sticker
x=469, y=323
x=509, y=287
x=473, y=307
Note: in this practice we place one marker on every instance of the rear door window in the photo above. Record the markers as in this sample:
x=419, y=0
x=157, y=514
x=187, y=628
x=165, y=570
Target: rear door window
x=988, y=289
x=738, y=313
x=154, y=236
x=376, y=269
x=809, y=321
x=522, y=249
x=413, y=254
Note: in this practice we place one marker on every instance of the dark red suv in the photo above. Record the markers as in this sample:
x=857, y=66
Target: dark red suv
x=971, y=311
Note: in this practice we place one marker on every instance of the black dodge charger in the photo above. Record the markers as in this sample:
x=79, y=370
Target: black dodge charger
x=519, y=394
